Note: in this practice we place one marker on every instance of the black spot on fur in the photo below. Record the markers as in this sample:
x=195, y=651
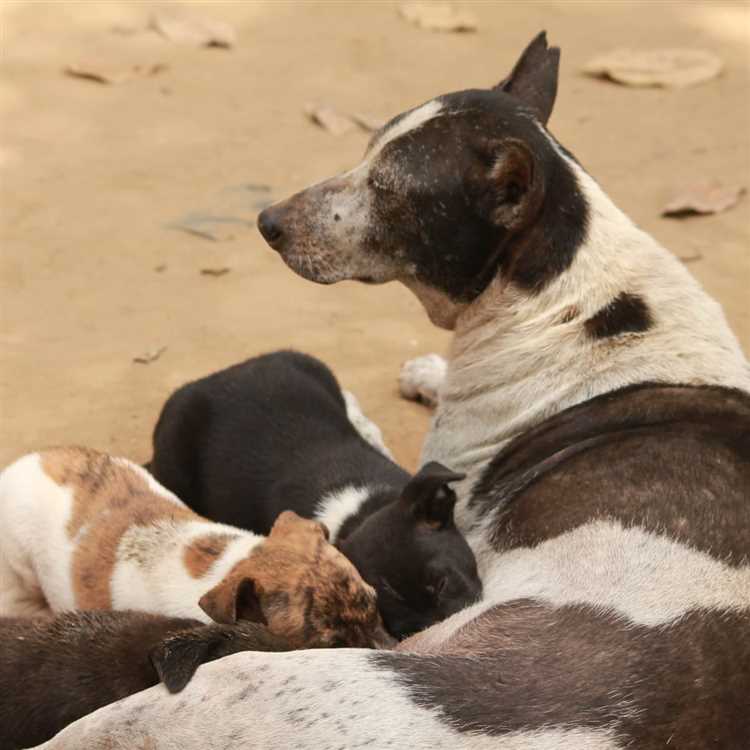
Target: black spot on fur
x=526, y=666
x=626, y=313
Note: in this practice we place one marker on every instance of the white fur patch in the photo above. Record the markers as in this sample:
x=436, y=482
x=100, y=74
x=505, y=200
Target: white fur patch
x=408, y=122
x=320, y=698
x=648, y=578
x=365, y=426
x=335, y=507
x=150, y=573
x=35, y=550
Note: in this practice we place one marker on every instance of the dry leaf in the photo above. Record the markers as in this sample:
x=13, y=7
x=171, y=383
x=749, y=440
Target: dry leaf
x=260, y=191
x=106, y=74
x=215, y=271
x=210, y=226
x=329, y=119
x=150, y=356
x=438, y=16
x=338, y=123
x=194, y=30
x=670, y=68
x=704, y=198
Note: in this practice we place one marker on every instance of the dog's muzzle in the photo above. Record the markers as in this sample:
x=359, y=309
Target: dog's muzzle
x=270, y=226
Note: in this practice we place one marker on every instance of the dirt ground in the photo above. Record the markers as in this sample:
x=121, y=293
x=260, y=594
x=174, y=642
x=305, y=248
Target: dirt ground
x=93, y=176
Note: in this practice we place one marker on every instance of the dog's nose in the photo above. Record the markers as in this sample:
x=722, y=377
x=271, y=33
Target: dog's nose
x=270, y=227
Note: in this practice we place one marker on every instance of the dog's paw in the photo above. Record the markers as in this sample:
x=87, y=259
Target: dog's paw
x=364, y=426
x=420, y=379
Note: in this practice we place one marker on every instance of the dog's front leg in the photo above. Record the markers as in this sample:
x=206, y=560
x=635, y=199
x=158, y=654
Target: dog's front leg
x=421, y=378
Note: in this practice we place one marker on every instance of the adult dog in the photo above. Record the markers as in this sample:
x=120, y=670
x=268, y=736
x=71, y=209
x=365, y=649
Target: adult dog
x=598, y=403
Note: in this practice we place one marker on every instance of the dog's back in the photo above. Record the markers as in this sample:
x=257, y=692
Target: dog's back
x=266, y=435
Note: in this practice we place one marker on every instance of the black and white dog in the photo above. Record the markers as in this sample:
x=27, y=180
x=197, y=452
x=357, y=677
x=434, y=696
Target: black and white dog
x=598, y=403
x=277, y=433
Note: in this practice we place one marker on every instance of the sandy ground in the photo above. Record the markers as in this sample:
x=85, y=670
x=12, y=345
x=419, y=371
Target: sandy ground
x=92, y=177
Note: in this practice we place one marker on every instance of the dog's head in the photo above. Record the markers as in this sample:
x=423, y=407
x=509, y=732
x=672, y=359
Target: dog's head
x=302, y=588
x=449, y=194
x=414, y=556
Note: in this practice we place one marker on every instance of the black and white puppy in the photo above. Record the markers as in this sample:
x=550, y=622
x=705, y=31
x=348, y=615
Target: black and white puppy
x=54, y=670
x=277, y=433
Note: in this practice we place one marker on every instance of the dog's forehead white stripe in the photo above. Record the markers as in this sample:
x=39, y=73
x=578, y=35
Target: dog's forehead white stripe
x=411, y=121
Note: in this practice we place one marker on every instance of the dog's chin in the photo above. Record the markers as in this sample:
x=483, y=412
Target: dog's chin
x=304, y=267
x=308, y=269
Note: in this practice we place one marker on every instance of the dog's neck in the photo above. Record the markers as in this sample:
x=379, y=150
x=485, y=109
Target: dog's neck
x=517, y=357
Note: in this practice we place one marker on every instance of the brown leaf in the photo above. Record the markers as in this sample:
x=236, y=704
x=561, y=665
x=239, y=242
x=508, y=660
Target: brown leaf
x=103, y=73
x=669, y=68
x=436, y=16
x=329, y=119
x=703, y=198
x=150, y=356
x=215, y=271
x=193, y=30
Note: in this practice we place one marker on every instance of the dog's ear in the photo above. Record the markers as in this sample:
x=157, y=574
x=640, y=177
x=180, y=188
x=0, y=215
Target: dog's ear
x=289, y=522
x=516, y=185
x=428, y=496
x=533, y=79
x=177, y=657
x=234, y=598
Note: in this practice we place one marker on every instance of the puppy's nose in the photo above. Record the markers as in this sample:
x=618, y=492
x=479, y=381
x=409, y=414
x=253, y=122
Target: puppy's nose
x=270, y=227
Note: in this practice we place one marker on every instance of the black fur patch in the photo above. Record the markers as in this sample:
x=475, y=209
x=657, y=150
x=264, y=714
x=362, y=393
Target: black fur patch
x=523, y=666
x=670, y=459
x=626, y=313
x=434, y=199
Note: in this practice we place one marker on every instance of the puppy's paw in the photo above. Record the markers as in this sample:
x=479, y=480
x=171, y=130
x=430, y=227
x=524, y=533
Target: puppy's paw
x=364, y=426
x=420, y=379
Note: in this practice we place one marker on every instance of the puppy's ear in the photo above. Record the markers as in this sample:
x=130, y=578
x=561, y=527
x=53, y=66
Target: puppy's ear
x=516, y=185
x=533, y=79
x=233, y=599
x=428, y=496
x=289, y=522
x=176, y=658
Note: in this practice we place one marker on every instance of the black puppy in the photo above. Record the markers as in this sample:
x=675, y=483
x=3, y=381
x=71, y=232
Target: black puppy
x=54, y=670
x=275, y=433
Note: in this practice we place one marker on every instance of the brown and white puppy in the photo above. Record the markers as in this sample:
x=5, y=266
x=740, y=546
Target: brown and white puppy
x=84, y=530
x=54, y=670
